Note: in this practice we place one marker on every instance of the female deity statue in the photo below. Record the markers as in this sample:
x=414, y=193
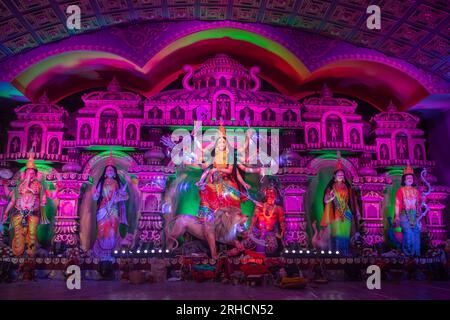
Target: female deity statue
x=338, y=206
x=407, y=205
x=221, y=185
x=110, y=194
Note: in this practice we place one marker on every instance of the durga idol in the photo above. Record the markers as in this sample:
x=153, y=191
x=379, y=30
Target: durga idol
x=338, y=206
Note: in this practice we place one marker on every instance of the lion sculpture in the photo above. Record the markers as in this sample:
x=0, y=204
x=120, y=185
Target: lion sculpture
x=228, y=223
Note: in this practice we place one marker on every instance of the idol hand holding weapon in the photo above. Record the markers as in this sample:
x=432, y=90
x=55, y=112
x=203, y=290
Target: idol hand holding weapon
x=424, y=206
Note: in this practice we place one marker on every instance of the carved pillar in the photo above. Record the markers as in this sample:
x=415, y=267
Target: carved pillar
x=435, y=222
x=152, y=184
x=5, y=181
x=3, y=197
x=3, y=204
x=372, y=220
x=66, y=225
x=293, y=189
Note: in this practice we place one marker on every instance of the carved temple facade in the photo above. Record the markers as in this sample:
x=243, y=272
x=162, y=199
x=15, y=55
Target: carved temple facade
x=221, y=90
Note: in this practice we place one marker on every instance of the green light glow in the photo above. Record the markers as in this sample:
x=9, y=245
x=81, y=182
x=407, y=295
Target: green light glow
x=7, y=90
x=235, y=34
x=394, y=171
x=329, y=154
x=107, y=148
x=314, y=195
x=189, y=199
x=37, y=74
x=116, y=154
x=389, y=197
x=45, y=231
x=70, y=60
x=41, y=165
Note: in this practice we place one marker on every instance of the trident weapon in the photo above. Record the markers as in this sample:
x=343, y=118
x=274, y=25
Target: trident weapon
x=424, y=208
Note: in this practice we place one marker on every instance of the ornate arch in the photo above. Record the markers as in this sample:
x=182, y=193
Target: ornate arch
x=317, y=163
x=102, y=158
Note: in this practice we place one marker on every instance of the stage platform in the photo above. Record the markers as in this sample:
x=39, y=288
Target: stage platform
x=121, y=290
x=145, y=262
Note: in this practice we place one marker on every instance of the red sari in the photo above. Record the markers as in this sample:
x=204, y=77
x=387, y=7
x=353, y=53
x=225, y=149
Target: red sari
x=219, y=192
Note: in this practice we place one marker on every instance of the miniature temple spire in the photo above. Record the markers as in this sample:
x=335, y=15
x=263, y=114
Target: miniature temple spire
x=44, y=98
x=110, y=161
x=392, y=107
x=326, y=92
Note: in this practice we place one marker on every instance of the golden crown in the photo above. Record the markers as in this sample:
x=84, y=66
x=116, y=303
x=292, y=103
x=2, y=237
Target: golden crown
x=30, y=162
x=408, y=169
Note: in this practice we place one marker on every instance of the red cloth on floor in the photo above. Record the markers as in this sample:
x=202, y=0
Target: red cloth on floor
x=254, y=269
x=202, y=275
x=224, y=264
x=254, y=254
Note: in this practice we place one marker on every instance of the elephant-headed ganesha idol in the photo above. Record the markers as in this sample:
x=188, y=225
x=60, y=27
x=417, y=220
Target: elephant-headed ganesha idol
x=25, y=208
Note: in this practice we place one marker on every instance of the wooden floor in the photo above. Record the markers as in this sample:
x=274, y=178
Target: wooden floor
x=119, y=290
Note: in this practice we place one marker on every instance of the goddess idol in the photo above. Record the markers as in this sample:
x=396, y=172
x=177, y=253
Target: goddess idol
x=221, y=185
x=110, y=194
x=338, y=206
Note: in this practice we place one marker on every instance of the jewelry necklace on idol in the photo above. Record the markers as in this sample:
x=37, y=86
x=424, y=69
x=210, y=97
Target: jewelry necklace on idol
x=265, y=210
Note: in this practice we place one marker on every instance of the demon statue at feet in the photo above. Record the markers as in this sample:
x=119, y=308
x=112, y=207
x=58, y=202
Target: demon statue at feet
x=267, y=223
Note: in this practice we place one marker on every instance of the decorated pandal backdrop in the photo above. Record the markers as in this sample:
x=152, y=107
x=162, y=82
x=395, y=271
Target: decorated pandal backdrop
x=357, y=123
x=102, y=179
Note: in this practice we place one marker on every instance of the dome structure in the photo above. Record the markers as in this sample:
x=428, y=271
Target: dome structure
x=391, y=118
x=222, y=89
x=113, y=93
x=222, y=71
